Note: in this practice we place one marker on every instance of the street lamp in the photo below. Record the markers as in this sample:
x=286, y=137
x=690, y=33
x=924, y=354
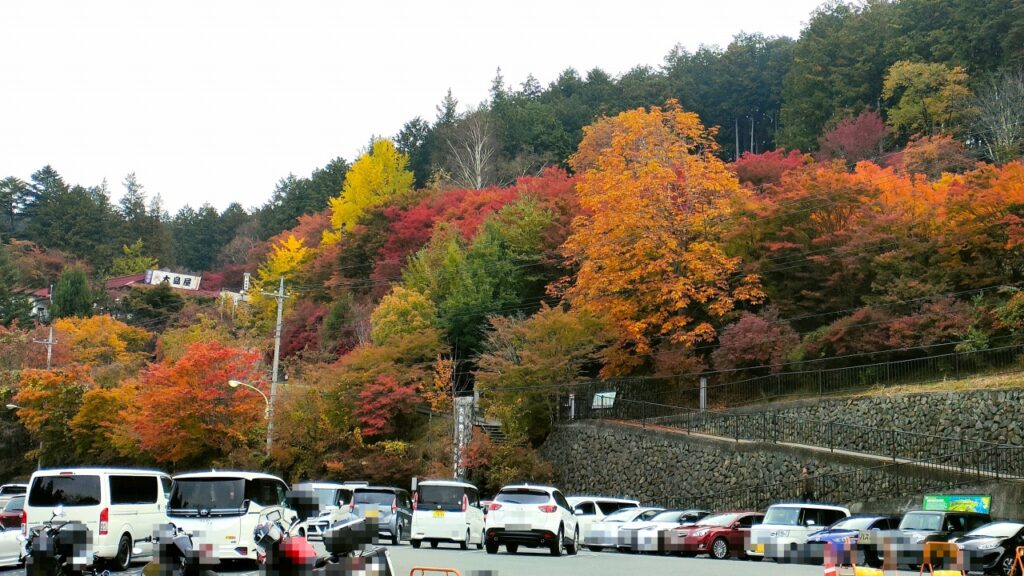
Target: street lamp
x=266, y=412
x=39, y=462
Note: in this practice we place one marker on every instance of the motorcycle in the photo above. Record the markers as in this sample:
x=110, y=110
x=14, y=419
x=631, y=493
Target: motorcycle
x=175, y=555
x=59, y=548
x=352, y=549
x=283, y=551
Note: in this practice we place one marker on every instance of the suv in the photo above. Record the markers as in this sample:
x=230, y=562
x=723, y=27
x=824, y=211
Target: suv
x=392, y=507
x=532, y=516
x=919, y=527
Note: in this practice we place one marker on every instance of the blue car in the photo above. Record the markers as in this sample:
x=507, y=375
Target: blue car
x=848, y=528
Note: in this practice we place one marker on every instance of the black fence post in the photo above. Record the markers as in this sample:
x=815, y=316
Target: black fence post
x=956, y=362
x=892, y=443
x=821, y=383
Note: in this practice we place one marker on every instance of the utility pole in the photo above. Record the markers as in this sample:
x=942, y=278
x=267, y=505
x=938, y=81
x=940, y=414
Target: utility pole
x=49, y=342
x=277, y=360
x=736, y=129
x=752, y=151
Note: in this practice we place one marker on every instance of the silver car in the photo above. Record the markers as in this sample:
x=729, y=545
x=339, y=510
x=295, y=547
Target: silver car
x=390, y=507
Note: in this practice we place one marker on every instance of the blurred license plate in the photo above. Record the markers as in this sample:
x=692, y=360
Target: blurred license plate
x=438, y=513
x=759, y=548
x=373, y=513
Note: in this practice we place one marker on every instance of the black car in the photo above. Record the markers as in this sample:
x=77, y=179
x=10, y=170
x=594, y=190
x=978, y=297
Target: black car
x=914, y=530
x=991, y=547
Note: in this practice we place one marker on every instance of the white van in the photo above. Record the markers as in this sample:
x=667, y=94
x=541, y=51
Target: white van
x=590, y=509
x=447, y=511
x=118, y=505
x=785, y=528
x=221, y=509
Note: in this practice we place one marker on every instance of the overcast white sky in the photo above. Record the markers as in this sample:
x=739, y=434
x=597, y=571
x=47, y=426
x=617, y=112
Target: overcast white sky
x=214, y=101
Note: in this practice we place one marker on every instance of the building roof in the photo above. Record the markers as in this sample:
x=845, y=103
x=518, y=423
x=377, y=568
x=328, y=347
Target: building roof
x=125, y=281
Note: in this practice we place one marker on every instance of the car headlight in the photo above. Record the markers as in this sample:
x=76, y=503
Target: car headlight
x=917, y=538
x=988, y=546
x=780, y=533
x=702, y=532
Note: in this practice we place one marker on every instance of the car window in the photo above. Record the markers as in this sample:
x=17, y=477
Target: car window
x=379, y=497
x=586, y=509
x=344, y=496
x=133, y=490
x=8, y=490
x=783, y=516
x=811, y=515
x=954, y=523
x=15, y=504
x=522, y=496
x=649, y=514
x=561, y=501
x=442, y=497
x=265, y=492
x=830, y=517
x=474, y=496
x=74, y=490
x=609, y=507
x=931, y=521
x=748, y=521
x=974, y=522
x=167, y=483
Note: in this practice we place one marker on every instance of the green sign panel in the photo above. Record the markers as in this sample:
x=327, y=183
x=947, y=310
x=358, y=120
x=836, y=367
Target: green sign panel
x=957, y=503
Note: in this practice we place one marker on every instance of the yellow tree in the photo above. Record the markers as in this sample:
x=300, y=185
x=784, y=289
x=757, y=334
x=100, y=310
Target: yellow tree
x=648, y=246
x=376, y=176
x=927, y=97
x=285, y=260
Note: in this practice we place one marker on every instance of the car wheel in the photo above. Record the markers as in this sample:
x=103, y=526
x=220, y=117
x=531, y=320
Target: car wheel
x=492, y=547
x=123, y=560
x=465, y=543
x=434, y=543
x=720, y=549
x=512, y=548
x=480, y=544
x=595, y=548
x=558, y=546
x=396, y=536
x=574, y=547
x=415, y=544
x=1006, y=565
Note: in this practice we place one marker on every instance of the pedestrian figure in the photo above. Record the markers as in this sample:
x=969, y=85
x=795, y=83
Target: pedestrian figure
x=807, y=493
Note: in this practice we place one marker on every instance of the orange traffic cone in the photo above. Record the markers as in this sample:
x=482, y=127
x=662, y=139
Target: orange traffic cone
x=830, y=568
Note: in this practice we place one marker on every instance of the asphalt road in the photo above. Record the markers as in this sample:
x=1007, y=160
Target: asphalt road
x=538, y=563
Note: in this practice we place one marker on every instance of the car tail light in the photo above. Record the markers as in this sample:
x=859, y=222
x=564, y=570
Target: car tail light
x=24, y=523
x=352, y=505
x=415, y=501
x=549, y=508
x=494, y=506
x=394, y=505
x=104, y=521
x=465, y=502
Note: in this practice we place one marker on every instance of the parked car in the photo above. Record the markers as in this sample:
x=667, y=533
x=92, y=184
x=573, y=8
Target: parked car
x=10, y=546
x=604, y=533
x=589, y=509
x=10, y=516
x=8, y=491
x=531, y=516
x=447, y=511
x=785, y=528
x=719, y=535
x=919, y=527
x=849, y=529
x=391, y=507
x=990, y=548
x=117, y=505
x=333, y=501
x=652, y=535
x=222, y=509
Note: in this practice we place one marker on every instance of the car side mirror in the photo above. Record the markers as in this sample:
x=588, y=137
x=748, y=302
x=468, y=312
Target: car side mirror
x=58, y=511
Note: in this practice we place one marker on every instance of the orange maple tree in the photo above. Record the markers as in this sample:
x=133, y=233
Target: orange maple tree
x=186, y=414
x=648, y=246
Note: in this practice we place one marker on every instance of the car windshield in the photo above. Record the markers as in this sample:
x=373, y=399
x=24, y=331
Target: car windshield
x=207, y=494
x=432, y=496
x=522, y=496
x=68, y=490
x=624, y=515
x=997, y=530
x=719, y=520
x=15, y=504
x=852, y=524
x=782, y=516
x=326, y=497
x=668, y=516
x=379, y=497
x=918, y=521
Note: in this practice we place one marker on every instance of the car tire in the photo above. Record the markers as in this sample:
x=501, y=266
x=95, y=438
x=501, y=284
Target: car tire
x=480, y=544
x=720, y=549
x=464, y=545
x=595, y=548
x=574, y=546
x=492, y=547
x=396, y=536
x=512, y=548
x=123, y=560
x=434, y=543
x=415, y=544
x=755, y=558
x=558, y=546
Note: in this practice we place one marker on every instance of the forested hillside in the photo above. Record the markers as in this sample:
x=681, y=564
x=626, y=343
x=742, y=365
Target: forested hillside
x=854, y=195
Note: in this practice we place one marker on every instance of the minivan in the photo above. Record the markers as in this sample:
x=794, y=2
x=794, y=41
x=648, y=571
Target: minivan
x=447, y=511
x=117, y=505
x=785, y=528
x=221, y=509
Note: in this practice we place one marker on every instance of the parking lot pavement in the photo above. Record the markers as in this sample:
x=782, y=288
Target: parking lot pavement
x=538, y=563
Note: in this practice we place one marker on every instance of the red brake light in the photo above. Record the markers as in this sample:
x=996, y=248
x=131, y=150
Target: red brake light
x=549, y=508
x=465, y=502
x=394, y=505
x=494, y=506
x=24, y=523
x=104, y=521
x=415, y=500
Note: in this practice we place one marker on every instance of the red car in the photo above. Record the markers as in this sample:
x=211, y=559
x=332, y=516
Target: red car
x=719, y=535
x=10, y=516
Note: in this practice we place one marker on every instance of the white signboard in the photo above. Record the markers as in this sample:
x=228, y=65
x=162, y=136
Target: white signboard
x=183, y=281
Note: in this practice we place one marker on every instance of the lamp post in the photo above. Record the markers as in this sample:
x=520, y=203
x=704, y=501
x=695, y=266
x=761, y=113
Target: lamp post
x=266, y=412
x=39, y=461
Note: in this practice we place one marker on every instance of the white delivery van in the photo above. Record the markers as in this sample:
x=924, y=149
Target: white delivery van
x=786, y=526
x=447, y=511
x=221, y=510
x=118, y=505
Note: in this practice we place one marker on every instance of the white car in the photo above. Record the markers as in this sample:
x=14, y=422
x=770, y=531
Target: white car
x=447, y=511
x=650, y=535
x=604, y=533
x=590, y=509
x=333, y=500
x=10, y=546
x=221, y=510
x=532, y=516
x=8, y=491
x=785, y=528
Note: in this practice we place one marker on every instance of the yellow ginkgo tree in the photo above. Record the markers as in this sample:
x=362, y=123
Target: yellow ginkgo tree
x=286, y=258
x=376, y=176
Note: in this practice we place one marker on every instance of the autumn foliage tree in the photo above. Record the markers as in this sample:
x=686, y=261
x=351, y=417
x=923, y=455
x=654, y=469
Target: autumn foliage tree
x=186, y=415
x=376, y=176
x=648, y=247
x=48, y=401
